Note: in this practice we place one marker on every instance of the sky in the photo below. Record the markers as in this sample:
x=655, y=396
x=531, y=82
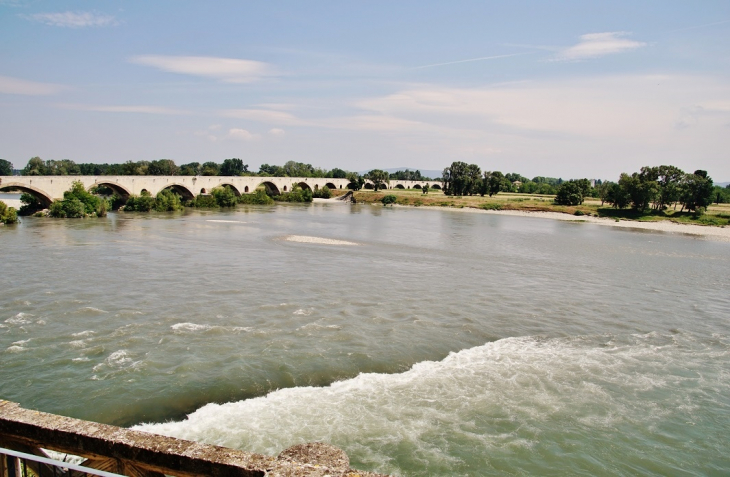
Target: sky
x=565, y=89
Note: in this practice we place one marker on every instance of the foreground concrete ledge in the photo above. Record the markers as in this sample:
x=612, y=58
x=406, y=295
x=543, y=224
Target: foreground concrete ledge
x=152, y=454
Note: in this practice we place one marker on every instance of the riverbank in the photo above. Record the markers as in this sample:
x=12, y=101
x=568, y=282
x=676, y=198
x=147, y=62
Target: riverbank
x=712, y=225
x=705, y=231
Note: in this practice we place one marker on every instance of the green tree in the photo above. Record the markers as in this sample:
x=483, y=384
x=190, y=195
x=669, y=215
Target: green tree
x=233, y=167
x=271, y=171
x=163, y=167
x=209, y=169
x=356, y=181
x=35, y=167
x=641, y=187
x=696, y=193
x=617, y=196
x=298, y=169
x=668, y=180
x=604, y=191
x=456, y=178
x=473, y=179
x=6, y=168
x=191, y=169
x=570, y=193
x=379, y=178
x=493, y=183
x=337, y=173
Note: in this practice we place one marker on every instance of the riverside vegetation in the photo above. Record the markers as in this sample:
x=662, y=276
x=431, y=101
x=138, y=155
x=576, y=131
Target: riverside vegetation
x=653, y=193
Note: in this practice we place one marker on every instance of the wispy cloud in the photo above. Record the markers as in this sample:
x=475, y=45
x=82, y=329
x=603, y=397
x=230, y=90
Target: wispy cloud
x=262, y=115
x=9, y=85
x=593, y=45
x=241, y=134
x=483, y=58
x=276, y=132
x=73, y=19
x=123, y=109
x=229, y=70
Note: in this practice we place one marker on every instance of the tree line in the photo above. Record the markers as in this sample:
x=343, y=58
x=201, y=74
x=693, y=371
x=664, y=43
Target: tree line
x=655, y=188
x=167, y=167
x=468, y=179
x=658, y=188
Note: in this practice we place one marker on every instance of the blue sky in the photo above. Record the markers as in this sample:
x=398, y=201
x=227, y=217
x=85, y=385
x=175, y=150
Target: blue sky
x=565, y=88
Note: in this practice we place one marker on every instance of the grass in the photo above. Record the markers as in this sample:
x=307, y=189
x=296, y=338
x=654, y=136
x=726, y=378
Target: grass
x=717, y=215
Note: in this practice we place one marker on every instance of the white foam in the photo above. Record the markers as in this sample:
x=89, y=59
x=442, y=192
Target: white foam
x=318, y=240
x=493, y=397
x=19, y=319
x=15, y=349
x=227, y=221
x=304, y=312
x=83, y=334
x=93, y=310
x=190, y=327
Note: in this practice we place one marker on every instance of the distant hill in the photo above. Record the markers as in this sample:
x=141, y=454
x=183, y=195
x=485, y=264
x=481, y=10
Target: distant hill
x=433, y=174
x=722, y=184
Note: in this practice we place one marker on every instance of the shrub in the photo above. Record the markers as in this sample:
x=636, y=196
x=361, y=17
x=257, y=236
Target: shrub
x=323, y=193
x=56, y=210
x=259, y=197
x=388, y=199
x=140, y=203
x=77, y=192
x=578, y=212
x=224, y=196
x=167, y=200
x=8, y=215
x=73, y=208
x=204, y=202
x=31, y=204
x=491, y=206
x=297, y=194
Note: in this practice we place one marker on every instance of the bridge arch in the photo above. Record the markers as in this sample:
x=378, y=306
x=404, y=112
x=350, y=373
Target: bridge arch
x=233, y=188
x=270, y=188
x=368, y=185
x=435, y=186
x=399, y=186
x=184, y=192
x=304, y=186
x=122, y=191
x=330, y=186
x=417, y=186
x=43, y=197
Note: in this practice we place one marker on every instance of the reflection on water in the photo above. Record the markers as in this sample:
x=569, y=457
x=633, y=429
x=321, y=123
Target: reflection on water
x=567, y=336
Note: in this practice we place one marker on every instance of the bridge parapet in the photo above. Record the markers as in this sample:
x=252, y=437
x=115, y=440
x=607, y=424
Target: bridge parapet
x=49, y=188
x=141, y=454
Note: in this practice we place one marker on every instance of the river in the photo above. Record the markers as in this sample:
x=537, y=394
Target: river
x=437, y=342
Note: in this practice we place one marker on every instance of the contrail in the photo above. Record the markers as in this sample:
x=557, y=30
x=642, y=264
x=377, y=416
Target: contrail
x=471, y=59
x=699, y=26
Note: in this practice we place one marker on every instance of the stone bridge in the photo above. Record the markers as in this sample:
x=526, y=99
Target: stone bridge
x=50, y=188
